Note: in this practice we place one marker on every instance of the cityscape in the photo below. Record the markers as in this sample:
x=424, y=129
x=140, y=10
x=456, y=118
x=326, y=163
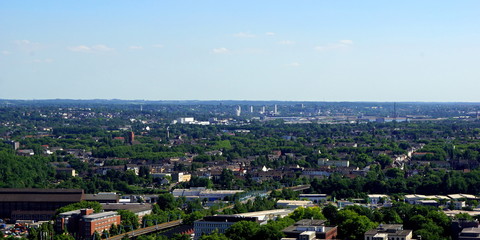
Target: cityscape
x=89, y=169
x=239, y=120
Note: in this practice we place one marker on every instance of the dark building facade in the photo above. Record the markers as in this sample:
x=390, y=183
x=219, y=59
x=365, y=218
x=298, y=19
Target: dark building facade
x=35, y=204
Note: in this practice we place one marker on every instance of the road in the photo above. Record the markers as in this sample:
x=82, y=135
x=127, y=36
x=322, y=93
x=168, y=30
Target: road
x=146, y=230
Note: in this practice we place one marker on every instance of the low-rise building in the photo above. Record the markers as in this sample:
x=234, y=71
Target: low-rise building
x=388, y=232
x=84, y=223
x=316, y=198
x=469, y=234
x=202, y=193
x=218, y=223
x=303, y=230
x=181, y=177
x=294, y=203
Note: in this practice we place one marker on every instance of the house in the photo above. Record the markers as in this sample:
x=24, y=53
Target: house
x=66, y=171
x=388, y=232
x=306, y=226
x=25, y=152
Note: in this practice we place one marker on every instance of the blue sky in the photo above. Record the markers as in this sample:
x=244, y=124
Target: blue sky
x=241, y=50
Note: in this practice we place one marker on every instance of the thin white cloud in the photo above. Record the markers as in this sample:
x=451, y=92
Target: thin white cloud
x=270, y=33
x=243, y=35
x=347, y=42
x=293, y=64
x=286, y=42
x=135, y=47
x=90, y=49
x=342, y=44
x=46, y=60
x=28, y=46
x=5, y=52
x=81, y=48
x=157, y=46
x=101, y=48
x=221, y=50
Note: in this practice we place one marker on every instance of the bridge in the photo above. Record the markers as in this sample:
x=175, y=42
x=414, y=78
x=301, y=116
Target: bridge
x=147, y=230
x=299, y=188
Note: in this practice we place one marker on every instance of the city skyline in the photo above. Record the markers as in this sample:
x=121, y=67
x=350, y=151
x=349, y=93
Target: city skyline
x=269, y=50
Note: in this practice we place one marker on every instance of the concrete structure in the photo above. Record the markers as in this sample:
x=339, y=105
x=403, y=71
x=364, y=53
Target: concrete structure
x=35, y=204
x=458, y=225
x=469, y=234
x=294, y=203
x=303, y=230
x=84, y=223
x=181, y=177
x=185, y=120
x=139, y=209
x=335, y=163
x=131, y=137
x=377, y=198
x=388, y=232
x=103, y=197
x=218, y=222
x=98, y=222
x=316, y=198
x=267, y=215
x=202, y=193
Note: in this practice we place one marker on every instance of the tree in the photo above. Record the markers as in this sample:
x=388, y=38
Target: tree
x=352, y=225
x=243, y=230
x=213, y=236
x=114, y=230
x=330, y=212
x=307, y=213
x=166, y=201
x=96, y=206
x=129, y=219
x=384, y=160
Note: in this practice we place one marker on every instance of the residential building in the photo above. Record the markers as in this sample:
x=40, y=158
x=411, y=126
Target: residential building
x=388, y=232
x=303, y=230
x=181, y=177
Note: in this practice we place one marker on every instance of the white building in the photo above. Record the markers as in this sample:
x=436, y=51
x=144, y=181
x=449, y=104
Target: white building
x=316, y=198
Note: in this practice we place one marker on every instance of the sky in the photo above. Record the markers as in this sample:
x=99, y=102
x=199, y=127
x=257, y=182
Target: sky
x=318, y=50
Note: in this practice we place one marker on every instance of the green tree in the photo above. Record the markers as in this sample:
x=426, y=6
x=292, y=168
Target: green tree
x=330, y=212
x=96, y=206
x=129, y=219
x=307, y=213
x=214, y=236
x=167, y=201
x=243, y=230
x=352, y=225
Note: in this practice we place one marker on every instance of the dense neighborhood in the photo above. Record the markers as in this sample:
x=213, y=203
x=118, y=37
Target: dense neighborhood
x=239, y=170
